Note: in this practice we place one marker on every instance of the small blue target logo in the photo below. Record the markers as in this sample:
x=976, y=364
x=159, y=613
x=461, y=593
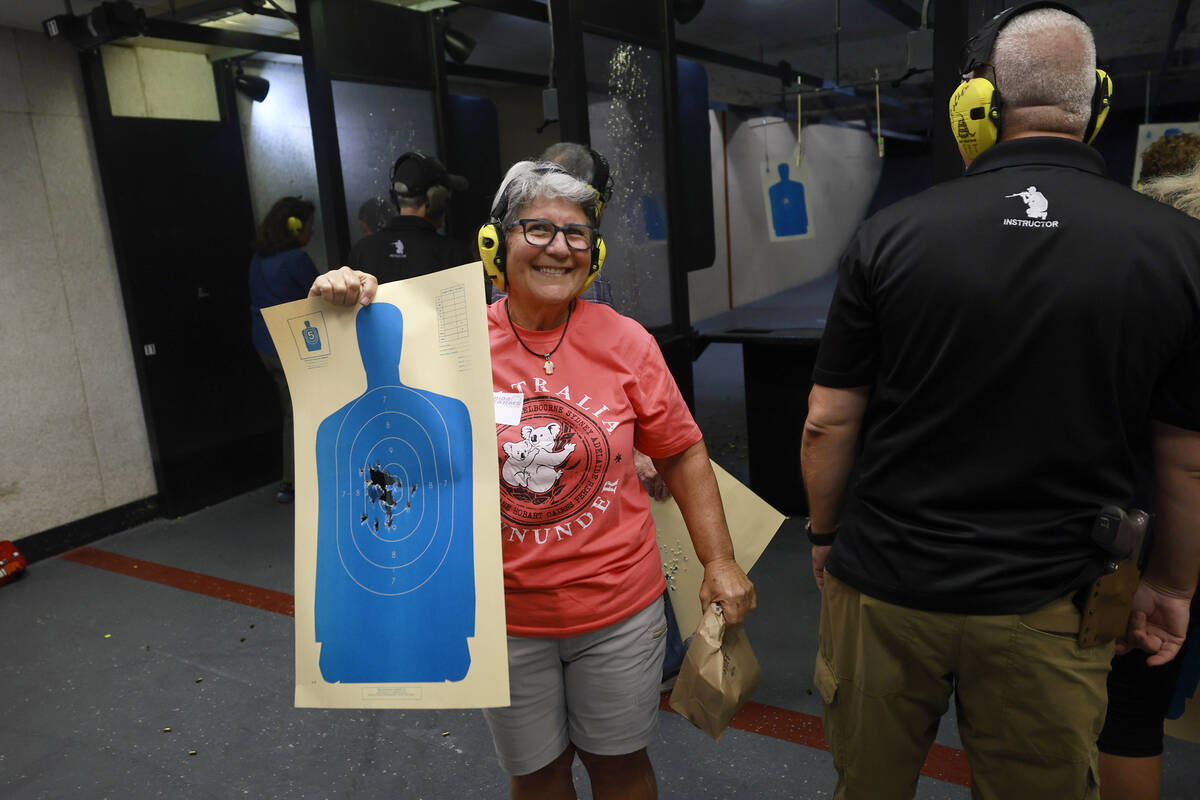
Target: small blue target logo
x=311, y=335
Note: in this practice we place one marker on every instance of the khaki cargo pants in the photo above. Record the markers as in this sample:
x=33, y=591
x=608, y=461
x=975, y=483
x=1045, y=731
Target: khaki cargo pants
x=1030, y=702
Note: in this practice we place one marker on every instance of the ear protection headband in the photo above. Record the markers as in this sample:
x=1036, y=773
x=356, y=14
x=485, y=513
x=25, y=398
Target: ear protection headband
x=492, y=238
x=601, y=183
x=976, y=105
x=295, y=225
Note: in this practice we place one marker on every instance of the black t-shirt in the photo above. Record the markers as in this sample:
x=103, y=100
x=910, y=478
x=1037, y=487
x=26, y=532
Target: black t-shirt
x=1019, y=327
x=406, y=247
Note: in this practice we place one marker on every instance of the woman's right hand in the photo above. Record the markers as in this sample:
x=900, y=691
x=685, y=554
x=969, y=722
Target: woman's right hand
x=345, y=287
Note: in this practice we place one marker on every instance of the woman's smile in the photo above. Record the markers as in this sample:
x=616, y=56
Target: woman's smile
x=552, y=271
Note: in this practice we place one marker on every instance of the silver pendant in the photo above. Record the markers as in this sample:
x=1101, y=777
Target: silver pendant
x=549, y=365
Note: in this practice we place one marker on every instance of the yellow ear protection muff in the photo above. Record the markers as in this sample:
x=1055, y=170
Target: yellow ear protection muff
x=295, y=225
x=975, y=116
x=1101, y=104
x=976, y=106
x=599, y=251
x=491, y=252
x=492, y=236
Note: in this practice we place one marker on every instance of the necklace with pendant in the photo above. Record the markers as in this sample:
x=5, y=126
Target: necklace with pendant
x=549, y=365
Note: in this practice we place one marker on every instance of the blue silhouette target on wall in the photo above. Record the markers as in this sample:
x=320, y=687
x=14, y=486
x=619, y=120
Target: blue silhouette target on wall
x=789, y=211
x=395, y=589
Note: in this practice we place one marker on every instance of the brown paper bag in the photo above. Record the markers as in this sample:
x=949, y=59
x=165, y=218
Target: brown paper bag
x=718, y=674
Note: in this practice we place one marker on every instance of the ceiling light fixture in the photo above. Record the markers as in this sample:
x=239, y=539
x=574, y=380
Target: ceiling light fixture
x=253, y=86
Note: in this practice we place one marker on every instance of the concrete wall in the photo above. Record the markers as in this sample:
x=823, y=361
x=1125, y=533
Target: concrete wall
x=74, y=438
x=842, y=169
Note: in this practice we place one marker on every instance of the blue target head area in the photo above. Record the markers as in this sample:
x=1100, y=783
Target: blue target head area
x=380, y=330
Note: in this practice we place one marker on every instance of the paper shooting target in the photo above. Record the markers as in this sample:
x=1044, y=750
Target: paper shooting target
x=395, y=599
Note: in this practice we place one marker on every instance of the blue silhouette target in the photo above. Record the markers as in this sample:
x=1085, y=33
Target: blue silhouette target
x=789, y=211
x=395, y=591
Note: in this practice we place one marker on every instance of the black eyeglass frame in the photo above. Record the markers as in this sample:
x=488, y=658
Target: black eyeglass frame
x=591, y=229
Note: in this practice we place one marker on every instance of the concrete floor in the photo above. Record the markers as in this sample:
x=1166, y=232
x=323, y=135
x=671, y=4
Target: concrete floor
x=117, y=686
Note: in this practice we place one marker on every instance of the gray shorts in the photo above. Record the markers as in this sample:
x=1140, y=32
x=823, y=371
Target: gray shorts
x=598, y=691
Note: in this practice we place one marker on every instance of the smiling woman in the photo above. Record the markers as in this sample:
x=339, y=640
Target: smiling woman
x=582, y=575
x=582, y=572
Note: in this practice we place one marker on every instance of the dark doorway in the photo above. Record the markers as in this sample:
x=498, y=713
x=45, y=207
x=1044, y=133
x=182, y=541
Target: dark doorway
x=178, y=200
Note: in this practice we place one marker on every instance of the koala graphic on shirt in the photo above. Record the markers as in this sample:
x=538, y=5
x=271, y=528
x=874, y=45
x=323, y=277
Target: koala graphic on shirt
x=531, y=462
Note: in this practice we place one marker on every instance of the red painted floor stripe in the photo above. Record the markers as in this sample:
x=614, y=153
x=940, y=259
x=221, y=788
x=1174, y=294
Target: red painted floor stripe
x=943, y=763
x=245, y=594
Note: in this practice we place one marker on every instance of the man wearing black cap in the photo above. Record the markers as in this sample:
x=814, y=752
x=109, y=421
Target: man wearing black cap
x=410, y=245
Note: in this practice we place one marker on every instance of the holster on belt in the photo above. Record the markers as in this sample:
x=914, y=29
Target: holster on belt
x=1109, y=599
x=1107, y=605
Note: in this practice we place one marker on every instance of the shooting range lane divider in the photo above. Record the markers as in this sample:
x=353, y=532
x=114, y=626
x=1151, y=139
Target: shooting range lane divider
x=943, y=763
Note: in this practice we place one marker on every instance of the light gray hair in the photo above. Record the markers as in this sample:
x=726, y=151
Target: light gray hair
x=1045, y=70
x=1181, y=191
x=529, y=181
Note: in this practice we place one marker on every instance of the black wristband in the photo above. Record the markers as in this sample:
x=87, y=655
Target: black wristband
x=819, y=539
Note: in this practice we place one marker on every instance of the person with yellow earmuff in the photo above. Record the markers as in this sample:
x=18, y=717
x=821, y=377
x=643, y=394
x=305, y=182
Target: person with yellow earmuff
x=582, y=572
x=280, y=271
x=1005, y=357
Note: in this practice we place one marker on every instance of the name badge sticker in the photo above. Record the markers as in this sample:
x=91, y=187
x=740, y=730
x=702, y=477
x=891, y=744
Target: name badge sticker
x=508, y=407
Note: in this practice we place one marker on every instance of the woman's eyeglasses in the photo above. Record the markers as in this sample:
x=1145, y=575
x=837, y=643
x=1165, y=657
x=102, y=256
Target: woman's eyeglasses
x=541, y=232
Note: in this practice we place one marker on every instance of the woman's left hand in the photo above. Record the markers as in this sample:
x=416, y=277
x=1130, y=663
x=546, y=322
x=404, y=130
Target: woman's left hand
x=727, y=584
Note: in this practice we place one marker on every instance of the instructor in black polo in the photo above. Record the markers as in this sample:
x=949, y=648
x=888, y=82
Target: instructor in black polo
x=410, y=245
x=1006, y=355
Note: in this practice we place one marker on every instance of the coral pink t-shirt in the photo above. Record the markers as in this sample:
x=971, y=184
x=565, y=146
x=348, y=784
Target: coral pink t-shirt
x=579, y=547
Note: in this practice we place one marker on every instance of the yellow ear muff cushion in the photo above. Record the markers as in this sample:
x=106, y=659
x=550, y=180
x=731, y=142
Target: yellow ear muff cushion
x=972, y=116
x=295, y=225
x=601, y=252
x=1101, y=104
x=491, y=245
